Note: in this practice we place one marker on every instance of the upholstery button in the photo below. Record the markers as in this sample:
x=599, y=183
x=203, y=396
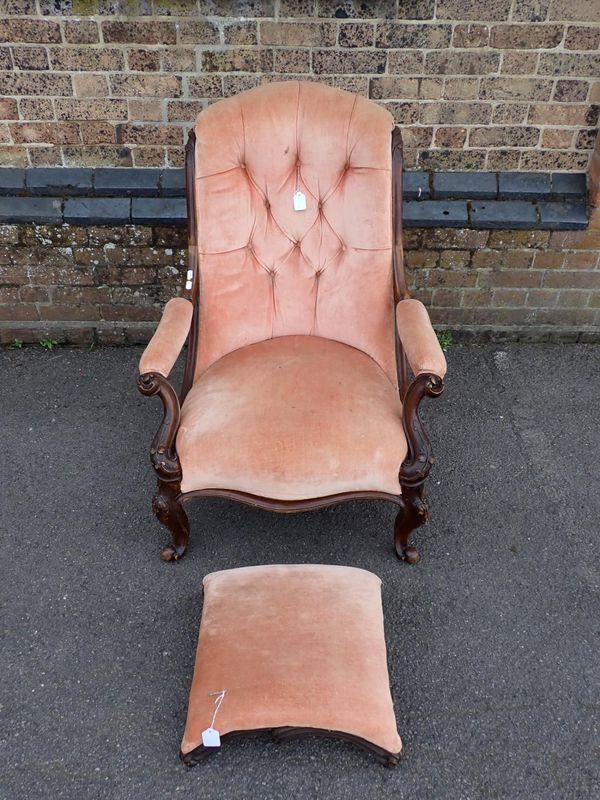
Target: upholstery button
x=267, y=204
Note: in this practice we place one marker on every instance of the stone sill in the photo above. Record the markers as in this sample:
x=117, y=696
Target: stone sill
x=114, y=196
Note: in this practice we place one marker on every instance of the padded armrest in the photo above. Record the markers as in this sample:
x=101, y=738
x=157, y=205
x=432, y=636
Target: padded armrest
x=164, y=347
x=418, y=338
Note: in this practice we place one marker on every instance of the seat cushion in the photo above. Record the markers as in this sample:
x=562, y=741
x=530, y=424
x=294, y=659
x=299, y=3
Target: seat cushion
x=292, y=418
x=292, y=645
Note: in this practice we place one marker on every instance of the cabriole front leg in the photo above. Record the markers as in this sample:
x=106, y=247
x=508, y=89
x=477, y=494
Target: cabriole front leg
x=168, y=509
x=166, y=504
x=415, y=468
x=415, y=512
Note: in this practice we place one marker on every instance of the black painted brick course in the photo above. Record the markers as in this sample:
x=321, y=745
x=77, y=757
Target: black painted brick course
x=503, y=214
x=524, y=185
x=172, y=183
x=468, y=185
x=127, y=181
x=98, y=210
x=52, y=182
x=569, y=185
x=161, y=210
x=25, y=210
x=415, y=186
x=564, y=216
x=12, y=180
x=435, y=214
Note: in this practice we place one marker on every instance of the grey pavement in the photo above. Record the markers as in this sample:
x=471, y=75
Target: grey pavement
x=492, y=637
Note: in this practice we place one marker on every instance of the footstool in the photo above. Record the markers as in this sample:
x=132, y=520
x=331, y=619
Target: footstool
x=291, y=649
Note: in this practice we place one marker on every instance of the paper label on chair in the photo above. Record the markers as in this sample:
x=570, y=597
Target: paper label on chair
x=211, y=738
x=299, y=201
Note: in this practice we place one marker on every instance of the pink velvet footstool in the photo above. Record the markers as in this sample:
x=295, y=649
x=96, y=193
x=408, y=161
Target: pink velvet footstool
x=291, y=649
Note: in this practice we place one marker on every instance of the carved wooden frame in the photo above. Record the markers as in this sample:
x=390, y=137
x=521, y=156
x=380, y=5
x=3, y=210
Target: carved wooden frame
x=200, y=753
x=168, y=500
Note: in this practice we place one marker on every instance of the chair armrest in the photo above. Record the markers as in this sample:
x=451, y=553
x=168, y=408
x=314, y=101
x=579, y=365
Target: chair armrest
x=418, y=338
x=163, y=349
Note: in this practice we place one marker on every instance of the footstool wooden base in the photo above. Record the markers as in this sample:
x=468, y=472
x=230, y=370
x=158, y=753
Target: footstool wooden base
x=292, y=650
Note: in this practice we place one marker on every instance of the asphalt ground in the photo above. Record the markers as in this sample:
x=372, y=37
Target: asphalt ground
x=492, y=637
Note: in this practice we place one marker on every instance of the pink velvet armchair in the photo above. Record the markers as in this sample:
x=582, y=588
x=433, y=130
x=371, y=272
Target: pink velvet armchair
x=300, y=331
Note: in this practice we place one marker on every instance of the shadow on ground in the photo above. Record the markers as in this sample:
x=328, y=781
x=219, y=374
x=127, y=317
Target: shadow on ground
x=491, y=637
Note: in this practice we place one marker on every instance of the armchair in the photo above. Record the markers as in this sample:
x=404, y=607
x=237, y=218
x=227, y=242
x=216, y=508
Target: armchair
x=296, y=392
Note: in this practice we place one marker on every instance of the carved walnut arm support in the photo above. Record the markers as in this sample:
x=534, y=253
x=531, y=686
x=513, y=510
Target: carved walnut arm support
x=428, y=364
x=155, y=365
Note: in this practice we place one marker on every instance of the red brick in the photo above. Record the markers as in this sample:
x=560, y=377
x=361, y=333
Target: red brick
x=147, y=110
x=243, y=32
x=473, y=9
x=8, y=108
x=582, y=38
x=151, y=134
x=30, y=57
x=532, y=37
x=35, y=83
x=573, y=298
x=198, y=32
x=81, y=31
x=69, y=312
x=509, y=297
x=146, y=85
x=29, y=30
x=138, y=32
x=512, y=278
x=18, y=312
x=143, y=60
x=511, y=88
x=548, y=259
x=542, y=298
x=90, y=85
x=561, y=279
x=471, y=36
x=45, y=132
x=100, y=109
x=98, y=133
x=298, y=34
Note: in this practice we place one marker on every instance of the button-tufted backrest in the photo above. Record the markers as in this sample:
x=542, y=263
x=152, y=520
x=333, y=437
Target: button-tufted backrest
x=267, y=270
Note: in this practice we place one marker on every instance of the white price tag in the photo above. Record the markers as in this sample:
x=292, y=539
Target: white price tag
x=211, y=738
x=299, y=201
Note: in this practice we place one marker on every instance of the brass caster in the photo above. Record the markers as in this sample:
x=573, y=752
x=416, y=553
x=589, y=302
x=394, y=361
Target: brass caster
x=409, y=554
x=170, y=553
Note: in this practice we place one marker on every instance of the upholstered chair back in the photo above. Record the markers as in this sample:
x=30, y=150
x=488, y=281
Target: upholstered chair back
x=267, y=269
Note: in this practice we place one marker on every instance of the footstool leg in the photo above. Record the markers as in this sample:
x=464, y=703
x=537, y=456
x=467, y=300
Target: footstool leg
x=168, y=509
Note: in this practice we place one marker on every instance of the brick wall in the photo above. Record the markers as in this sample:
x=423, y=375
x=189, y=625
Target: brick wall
x=476, y=84
x=84, y=284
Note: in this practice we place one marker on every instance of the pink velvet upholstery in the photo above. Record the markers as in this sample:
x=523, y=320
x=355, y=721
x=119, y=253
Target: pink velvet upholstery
x=164, y=347
x=267, y=270
x=293, y=645
x=292, y=418
x=295, y=386
x=418, y=338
